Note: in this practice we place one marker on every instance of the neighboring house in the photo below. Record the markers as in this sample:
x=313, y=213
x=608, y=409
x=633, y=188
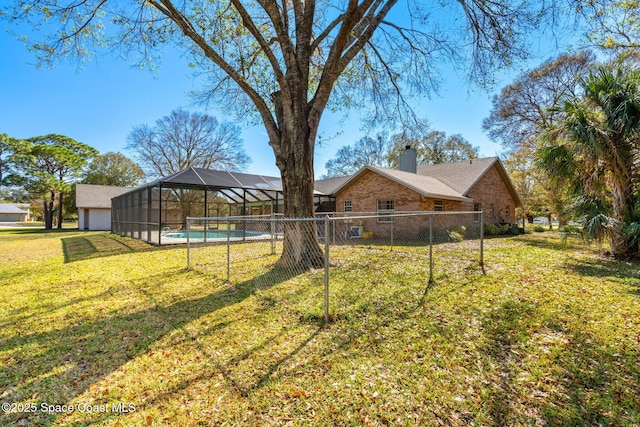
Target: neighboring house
x=470, y=185
x=14, y=212
x=94, y=205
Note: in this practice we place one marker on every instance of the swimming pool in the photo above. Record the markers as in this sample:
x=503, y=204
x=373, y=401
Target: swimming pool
x=212, y=234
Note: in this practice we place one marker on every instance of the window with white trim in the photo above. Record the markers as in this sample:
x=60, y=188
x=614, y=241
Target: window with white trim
x=348, y=207
x=386, y=207
x=438, y=205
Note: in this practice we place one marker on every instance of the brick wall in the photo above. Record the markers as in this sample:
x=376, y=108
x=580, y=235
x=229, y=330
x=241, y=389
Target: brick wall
x=490, y=191
x=496, y=201
x=365, y=191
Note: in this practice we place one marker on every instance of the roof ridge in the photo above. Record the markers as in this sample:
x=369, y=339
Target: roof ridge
x=391, y=174
x=479, y=177
x=419, y=177
x=461, y=175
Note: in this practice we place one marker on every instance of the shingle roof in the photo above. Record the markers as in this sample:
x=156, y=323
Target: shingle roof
x=11, y=208
x=425, y=185
x=328, y=186
x=462, y=176
x=97, y=196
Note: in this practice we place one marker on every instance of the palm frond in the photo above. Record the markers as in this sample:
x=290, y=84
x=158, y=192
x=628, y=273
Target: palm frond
x=632, y=232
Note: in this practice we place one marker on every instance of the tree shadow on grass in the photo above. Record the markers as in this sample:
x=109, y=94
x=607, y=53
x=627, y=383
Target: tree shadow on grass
x=555, y=241
x=88, y=246
x=22, y=314
x=61, y=364
x=506, y=327
x=627, y=273
x=591, y=382
x=559, y=241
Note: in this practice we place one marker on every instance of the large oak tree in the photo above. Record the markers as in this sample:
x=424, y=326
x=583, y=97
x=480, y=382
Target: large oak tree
x=432, y=148
x=114, y=169
x=614, y=24
x=48, y=165
x=6, y=149
x=522, y=113
x=524, y=109
x=286, y=61
x=185, y=139
x=349, y=159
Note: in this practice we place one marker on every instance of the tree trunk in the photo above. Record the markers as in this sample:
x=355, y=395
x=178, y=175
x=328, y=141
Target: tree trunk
x=622, y=203
x=60, y=214
x=562, y=221
x=294, y=157
x=48, y=211
x=301, y=248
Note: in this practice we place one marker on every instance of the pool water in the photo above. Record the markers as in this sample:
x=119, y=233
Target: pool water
x=212, y=234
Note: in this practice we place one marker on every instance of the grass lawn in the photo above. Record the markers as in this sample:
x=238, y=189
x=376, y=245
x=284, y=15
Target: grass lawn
x=127, y=336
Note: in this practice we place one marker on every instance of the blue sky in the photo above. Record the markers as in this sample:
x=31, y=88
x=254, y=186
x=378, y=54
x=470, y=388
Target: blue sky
x=100, y=105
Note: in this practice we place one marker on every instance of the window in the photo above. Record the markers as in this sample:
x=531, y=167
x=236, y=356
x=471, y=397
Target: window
x=507, y=211
x=347, y=206
x=438, y=205
x=477, y=207
x=385, y=208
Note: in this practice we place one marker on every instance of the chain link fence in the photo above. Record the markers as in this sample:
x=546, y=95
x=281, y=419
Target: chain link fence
x=415, y=246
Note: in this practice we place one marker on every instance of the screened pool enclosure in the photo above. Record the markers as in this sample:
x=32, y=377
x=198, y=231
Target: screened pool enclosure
x=160, y=208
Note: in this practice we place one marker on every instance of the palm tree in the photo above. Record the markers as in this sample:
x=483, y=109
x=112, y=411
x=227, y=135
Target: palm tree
x=596, y=149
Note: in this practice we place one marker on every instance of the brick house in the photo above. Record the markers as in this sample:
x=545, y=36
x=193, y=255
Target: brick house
x=470, y=185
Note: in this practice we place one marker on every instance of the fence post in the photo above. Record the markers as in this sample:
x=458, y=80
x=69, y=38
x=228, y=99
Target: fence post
x=228, y=249
x=326, y=269
x=333, y=229
x=482, y=241
x=393, y=220
x=188, y=243
x=204, y=230
x=273, y=234
x=431, y=249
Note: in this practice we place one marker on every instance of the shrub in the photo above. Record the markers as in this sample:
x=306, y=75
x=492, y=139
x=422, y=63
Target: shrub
x=454, y=236
x=438, y=235
x=514, y=230
x=460, y=229
x=572, y=229
x=491, y=230
x=495, y=230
